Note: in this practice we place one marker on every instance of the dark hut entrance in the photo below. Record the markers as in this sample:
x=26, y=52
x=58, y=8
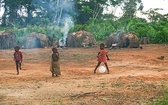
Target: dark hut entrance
x=33, y=42
x=127, y=42
x=37, y=45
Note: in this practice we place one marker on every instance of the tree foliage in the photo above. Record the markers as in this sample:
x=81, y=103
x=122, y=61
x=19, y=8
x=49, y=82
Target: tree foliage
x=56, y=18
x=89, y=9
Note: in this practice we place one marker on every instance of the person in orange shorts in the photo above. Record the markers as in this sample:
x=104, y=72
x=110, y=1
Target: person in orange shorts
x=102, y=57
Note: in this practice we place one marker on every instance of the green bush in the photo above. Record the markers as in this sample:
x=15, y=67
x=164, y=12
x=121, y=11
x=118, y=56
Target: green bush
x=162, y=101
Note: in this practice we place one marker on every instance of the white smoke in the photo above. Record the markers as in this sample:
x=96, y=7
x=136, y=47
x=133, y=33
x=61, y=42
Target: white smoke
x=62, y=14
x=68, y=24
x=66, y=8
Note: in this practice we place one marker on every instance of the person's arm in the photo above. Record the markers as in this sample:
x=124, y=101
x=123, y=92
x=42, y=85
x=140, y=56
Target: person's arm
x=58, y=56
x=14, y=56
x=52, y=57
x=98, y=54
x=21, y=56
x=107, y=57
x=55, y=57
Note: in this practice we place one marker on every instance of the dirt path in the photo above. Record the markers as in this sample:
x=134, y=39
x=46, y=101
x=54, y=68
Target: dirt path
x=136, y=77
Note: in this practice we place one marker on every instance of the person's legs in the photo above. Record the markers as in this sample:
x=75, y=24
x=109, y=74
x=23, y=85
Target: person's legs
x=52, y=74
x=52, y=71
x=107, y=68
x=17, y=67
x=98, y=64
x=20, y=65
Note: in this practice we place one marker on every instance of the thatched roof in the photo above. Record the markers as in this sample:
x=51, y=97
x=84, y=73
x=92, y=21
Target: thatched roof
x=36, y=40
x=7, y=39
x=123, y=39
x=81, y=39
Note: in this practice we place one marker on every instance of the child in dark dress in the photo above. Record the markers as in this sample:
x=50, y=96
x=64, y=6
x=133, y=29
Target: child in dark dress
x=55, y=65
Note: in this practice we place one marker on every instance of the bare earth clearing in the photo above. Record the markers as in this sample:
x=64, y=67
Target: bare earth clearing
x=136, y=77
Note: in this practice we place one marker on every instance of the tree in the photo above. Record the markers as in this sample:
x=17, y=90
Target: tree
x=29, y=8
x=89, y=9
x=155, y=16
x=130, y=7
x=13, y=11
x=56, y=11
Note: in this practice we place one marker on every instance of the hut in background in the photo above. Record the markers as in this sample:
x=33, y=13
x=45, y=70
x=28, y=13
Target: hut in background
x=144, y=40
x=81, y=39
x=7, y=40
x=122, y=39
x=36, y=40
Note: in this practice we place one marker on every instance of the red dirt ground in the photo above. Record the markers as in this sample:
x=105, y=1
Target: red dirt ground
x=136, y=77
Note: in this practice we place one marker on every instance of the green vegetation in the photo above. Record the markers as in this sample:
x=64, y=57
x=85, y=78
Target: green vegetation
x=162, y=101
x=58, y=17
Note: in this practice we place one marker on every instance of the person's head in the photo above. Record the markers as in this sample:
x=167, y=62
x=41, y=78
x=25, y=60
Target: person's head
x=17, y=48
x=102, y=46
x=54, y=49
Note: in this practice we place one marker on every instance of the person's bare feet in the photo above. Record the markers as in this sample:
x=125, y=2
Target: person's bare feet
x=94, y=72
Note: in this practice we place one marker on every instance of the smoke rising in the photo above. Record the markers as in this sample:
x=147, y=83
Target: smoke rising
x=60, y=12
x=68, y=24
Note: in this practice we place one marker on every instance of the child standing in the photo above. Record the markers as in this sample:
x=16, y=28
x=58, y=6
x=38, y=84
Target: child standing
x=55, y=65
x=18, y=58
x=102, y=57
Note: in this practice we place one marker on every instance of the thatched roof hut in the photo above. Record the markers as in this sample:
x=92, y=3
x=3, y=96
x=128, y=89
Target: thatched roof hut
x=144, y=40
x=123, y=39
x=36, y=40
x=81, y=39
x=7, y=40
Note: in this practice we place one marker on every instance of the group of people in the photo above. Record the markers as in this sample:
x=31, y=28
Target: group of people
x=102, y=57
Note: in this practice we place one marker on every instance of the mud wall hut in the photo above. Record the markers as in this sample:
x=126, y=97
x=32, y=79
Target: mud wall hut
x=122, y=39
x=7, y=40
x=81, y=39
x=144, y=40
x=36, y=40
